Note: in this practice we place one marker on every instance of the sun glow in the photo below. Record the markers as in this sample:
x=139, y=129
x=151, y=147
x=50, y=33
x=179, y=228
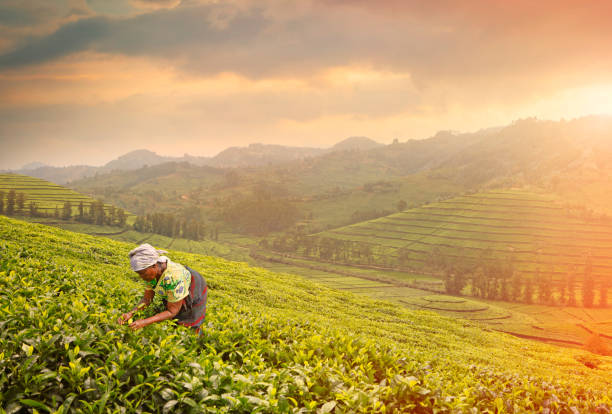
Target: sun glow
x=575, y=102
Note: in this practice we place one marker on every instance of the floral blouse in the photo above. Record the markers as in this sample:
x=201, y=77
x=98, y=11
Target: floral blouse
x=174, y=283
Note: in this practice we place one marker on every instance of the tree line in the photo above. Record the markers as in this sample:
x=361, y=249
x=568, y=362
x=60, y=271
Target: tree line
x=93, y=213
x=167, y=224
x=497, y=280
x=482, y=277
x=259, y=215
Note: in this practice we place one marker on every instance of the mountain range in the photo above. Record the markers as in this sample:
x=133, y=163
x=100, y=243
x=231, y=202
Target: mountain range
x=572, y=159
x=254, y=155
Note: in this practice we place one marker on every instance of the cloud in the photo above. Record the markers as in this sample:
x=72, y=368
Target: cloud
x=466, y=40
x=72, y=37
x=206, y=73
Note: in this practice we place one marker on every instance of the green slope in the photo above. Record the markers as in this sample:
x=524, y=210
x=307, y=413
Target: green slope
x=47, y=195
x=272, y=343
x=533, y=230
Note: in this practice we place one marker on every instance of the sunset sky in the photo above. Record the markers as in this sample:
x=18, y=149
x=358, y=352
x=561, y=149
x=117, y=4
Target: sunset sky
x=84, y=81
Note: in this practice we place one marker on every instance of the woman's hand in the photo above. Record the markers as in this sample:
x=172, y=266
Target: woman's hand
x=140, y=323
x=125, y=317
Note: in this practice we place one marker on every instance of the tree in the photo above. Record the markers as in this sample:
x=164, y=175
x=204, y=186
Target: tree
x=493, y=274
x=67, y=211
x=507, y=274
x=603, y=293
x=121, y=217
x=401, y=205
x=259, y=215
x=571, y=289
x=517, y=288
x=455, y=279
x=81, y=215
x=455, y=272
x=139, y=224
x=1, y=202
x=365, y=251
x=544, y=288
x=33, y=209
x=326, y=248
x=10, y=202
x=478, y=282
x=112, y=215
x=562, y=293
x=20, y=201
x=528, y=290
x=98, y=213
x=588, y=285
x=403, y=256
x=88, y=215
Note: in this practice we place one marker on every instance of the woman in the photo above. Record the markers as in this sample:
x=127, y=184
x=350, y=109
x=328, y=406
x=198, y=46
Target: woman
x=183, y=290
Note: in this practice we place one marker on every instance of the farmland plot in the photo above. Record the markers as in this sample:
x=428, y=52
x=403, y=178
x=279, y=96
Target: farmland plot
x=533, y=231
x=47, y=195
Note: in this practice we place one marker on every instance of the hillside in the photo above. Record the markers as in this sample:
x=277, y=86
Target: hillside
x=329, y=188
x=356, y=144
x=253, y=155
x=568, y=158
x=256, y=155
x=272, y=343
x=46, y=195
x=533, y=231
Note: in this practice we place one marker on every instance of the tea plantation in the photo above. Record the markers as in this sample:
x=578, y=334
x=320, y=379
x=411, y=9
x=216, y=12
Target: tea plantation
x=47, y=195
x=534, y=231
x=272, y=343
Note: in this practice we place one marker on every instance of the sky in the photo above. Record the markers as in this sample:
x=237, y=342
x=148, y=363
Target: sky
x=85, y=81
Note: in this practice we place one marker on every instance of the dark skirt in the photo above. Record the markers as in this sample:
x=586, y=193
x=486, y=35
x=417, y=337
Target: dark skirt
x=193, y=311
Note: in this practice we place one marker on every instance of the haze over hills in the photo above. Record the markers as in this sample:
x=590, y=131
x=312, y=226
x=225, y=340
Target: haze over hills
x=360, y=178
x=234, y=157
x=569, y=158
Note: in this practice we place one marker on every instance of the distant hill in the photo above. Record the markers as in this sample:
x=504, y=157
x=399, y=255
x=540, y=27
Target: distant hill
x=572, y=159
x=61, y=175
x=33, y=166
x=356, y=144
x=256, y=155
x=134, y=160
x=131, y=161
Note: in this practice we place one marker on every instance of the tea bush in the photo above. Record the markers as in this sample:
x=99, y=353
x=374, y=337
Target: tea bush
x=271, y=343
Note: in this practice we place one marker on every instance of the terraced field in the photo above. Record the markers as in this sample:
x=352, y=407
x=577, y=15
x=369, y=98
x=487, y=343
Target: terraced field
x=534, y=231
x=47, y=195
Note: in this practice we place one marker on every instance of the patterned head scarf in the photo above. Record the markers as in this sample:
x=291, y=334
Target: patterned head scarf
x=144, y=256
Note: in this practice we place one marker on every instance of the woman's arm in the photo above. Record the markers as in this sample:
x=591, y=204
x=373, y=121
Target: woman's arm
x=146, y=300
x=172, y=309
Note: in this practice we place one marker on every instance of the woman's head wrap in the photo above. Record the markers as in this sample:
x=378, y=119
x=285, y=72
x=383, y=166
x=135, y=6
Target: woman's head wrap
x=144, y=256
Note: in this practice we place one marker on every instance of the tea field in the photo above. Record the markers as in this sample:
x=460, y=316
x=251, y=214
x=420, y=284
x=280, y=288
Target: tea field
x=272, y=342
x=534, y=231
x=556, y=324
x=47, y=195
